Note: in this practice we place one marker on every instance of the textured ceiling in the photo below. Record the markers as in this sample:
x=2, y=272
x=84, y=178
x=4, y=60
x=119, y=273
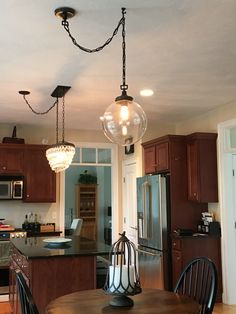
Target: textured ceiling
x=185, y=50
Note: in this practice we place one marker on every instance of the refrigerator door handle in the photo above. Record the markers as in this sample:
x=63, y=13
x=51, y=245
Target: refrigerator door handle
x=149, y=253
x=147, y=209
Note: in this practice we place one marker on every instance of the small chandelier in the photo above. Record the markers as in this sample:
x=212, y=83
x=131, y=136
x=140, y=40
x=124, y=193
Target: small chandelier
x=122, y=278
x=59, y=155
x=124, y=121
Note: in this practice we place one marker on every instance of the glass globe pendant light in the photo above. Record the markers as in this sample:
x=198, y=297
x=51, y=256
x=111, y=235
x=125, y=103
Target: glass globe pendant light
x=124, y=121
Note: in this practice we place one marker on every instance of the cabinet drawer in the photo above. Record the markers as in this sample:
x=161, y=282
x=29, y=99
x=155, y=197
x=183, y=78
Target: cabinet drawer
x=176, y=244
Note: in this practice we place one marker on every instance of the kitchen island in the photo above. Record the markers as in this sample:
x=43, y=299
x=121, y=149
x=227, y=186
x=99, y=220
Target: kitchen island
x=54, y=270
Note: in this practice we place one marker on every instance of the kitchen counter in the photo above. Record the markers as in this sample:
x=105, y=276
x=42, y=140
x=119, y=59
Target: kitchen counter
x=186, y=248
x=35, y=247
x=194, y=236
x=53, y=271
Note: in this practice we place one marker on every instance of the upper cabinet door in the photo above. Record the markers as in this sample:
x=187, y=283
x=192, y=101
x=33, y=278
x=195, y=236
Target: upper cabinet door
x=193, y=175
x=40, y=180
x=11, y=159
x=156, y=157
x=150, y=159
x=162, y=157
x=202, y=167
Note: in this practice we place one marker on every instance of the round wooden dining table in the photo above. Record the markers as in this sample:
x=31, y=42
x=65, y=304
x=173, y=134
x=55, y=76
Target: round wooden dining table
x=150, y=301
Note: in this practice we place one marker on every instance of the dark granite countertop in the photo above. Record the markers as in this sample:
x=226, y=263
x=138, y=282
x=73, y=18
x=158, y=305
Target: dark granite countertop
x=35, y=247
x=194, y=236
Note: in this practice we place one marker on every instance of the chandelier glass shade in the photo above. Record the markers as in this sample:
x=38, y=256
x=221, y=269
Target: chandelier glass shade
x=124, y=122
x=60, y=156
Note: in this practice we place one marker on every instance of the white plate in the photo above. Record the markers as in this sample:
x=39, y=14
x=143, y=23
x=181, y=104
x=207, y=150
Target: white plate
x=57, y=240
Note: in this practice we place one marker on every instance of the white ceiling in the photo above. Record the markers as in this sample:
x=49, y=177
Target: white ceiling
x=185, y=50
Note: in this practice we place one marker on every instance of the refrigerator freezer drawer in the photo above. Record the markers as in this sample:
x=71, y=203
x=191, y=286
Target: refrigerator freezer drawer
x=151, y=269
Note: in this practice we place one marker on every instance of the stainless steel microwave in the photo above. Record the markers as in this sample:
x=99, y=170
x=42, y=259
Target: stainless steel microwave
x=11, y=189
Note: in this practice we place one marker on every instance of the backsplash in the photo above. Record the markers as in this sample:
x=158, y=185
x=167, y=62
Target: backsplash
x=14, y=212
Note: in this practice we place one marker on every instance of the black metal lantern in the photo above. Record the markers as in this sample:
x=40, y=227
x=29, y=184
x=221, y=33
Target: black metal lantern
x=122, y=278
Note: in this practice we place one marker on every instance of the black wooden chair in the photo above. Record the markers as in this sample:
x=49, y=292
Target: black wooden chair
x=27, y=303
x=199, y=281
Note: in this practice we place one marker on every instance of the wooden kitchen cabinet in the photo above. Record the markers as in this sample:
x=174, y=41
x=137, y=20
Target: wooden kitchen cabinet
x=202, y=167
x=156, y=156
x=172, y=153
x=31, y=163
x=40, y=180
x=86, y=205
x=49, y=278
x=184, y=249
x=11, y=159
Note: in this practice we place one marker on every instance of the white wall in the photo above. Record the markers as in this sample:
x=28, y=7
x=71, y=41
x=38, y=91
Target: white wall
x=14, y=212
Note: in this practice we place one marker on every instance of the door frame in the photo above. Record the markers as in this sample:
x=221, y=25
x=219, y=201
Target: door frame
x=138, y=170
x=114, y=187
x=227, y=214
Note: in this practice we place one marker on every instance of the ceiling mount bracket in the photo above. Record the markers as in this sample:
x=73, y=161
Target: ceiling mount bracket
x=24, y=92
x=65, y=12
x=60, y=91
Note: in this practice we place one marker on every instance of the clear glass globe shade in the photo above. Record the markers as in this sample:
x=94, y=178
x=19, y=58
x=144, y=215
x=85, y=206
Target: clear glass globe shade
x=124, y=122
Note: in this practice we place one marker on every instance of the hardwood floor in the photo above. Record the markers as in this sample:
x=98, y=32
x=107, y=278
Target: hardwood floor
x=219, y=308
x=5, y=308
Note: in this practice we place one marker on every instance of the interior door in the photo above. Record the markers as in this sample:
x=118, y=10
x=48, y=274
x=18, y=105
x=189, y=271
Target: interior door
x=130, y=201
x=234, y=191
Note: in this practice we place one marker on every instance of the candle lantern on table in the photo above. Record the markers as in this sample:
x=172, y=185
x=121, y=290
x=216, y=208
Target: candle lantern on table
x=122, y=277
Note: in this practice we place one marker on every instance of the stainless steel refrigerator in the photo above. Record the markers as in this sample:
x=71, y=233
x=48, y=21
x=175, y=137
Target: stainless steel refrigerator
x=154, y=247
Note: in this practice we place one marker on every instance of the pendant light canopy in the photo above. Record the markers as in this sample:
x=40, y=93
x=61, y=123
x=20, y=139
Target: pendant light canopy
x=124, y=122
x=59, y=155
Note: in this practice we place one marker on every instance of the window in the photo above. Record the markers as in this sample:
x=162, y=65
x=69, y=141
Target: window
x=88, y=156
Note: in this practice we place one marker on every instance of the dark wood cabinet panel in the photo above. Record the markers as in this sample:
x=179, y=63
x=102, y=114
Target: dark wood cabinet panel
x=176, y=265
x=11, y=159
x=30, y=162
x=162, y=157
x=49, y=278
x=150, y=159
x=184, y=213
x=184, y=249
x=40, y=180
x=157, y=156
x=202, y=167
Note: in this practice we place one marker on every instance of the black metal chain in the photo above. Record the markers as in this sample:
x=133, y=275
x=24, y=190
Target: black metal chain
x=124, y=86
x=57, y=122
x=43, y=112
x=65, y=24
x=63, y=119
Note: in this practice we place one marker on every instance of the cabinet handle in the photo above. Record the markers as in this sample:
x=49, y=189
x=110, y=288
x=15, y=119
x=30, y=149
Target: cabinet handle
x=4, y=168
x=27, y=195
x=174, y=244
x=178, y=258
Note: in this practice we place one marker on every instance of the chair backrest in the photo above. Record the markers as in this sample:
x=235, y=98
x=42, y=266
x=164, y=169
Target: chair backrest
x=76, y=226
x=27, y=303
x=199, y=281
